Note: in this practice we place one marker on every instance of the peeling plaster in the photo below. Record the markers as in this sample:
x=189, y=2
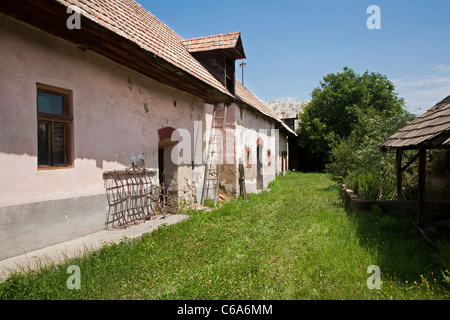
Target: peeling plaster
x=144, y=102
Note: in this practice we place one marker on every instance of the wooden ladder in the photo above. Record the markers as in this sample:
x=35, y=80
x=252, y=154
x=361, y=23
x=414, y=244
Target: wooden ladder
x=215, y=147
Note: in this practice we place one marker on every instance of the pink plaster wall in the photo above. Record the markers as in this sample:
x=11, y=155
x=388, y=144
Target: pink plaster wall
x=249, y=128
x=109, y=117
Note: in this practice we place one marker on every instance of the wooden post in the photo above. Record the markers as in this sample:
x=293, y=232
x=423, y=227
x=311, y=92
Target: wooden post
x=399, y=171
x=421, y=194
x=243, y=191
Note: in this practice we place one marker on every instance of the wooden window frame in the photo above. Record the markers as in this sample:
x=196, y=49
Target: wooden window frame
x=248, y=155
x=51, y=119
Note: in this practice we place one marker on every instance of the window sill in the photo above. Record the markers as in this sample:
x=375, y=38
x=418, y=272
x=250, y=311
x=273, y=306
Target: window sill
x=49, y=168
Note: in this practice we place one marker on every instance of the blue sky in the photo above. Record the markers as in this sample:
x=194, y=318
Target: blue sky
x=290, y=45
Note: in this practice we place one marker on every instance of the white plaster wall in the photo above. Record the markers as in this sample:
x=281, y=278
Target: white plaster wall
x=249, y=128
x=283, y=146
x=108, y=108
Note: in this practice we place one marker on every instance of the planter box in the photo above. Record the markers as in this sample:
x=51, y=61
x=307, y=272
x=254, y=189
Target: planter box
x=400, y=206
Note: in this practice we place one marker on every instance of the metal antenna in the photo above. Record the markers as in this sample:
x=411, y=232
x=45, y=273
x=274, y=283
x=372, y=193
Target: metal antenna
x=242, y=65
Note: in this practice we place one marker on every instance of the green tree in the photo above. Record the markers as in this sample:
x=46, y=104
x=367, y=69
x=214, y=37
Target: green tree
x=357, y=160
x=336, y=109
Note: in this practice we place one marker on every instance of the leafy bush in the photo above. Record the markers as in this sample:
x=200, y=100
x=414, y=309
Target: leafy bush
x=366, y=184
x=336, y=108
x=358, y=161
x=440, y=162
x=444, y=257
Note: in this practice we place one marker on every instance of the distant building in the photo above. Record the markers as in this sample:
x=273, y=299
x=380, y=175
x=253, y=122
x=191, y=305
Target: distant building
x=288, y=112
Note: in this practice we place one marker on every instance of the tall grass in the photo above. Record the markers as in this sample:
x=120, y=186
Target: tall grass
x=366, y=184
x=297, y=241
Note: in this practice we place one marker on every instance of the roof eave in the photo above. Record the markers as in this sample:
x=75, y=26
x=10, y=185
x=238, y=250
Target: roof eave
x=237, y=50
x=439, y=141
x=50, y=16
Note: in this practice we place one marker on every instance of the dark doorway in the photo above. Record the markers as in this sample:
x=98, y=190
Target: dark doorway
x=259, y=177
x=161, y=165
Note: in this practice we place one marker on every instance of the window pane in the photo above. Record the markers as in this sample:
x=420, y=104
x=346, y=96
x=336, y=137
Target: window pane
x=43, y=144
x=50, y=103
x=59, y=154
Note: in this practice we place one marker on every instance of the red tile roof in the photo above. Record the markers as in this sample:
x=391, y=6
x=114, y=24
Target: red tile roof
x=245, y=96
x=227, y=41
x=130, y=20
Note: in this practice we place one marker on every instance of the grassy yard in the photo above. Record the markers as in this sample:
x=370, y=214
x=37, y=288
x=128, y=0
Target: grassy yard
x=297, y=241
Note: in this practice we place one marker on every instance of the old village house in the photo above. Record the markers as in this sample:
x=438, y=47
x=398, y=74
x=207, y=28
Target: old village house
x=79, y=103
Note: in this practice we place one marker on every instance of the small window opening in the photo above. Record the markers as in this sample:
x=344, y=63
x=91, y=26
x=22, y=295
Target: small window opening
x=54, y=124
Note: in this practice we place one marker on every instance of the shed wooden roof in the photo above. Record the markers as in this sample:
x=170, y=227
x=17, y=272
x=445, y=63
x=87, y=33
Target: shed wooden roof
x=430, y=130
x=230, y=42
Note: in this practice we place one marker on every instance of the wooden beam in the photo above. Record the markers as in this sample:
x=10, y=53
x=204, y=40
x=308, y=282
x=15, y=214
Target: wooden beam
x=243, y=190
x=398, y=157
x=410, y=162
x=421, y=194
x=431, y=242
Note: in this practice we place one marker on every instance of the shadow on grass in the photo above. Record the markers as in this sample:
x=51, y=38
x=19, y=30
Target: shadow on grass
x=402, y=253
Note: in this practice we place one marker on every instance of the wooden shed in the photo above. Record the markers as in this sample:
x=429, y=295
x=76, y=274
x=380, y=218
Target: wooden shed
x=429, y=131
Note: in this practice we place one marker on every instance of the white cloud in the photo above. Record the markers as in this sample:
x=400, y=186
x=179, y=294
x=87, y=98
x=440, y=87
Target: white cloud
x=423, y=92
x=286, y=99
x=443, y=68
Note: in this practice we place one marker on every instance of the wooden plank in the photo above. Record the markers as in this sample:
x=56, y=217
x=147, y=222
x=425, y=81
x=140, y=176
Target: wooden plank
x=399, y=156
x=243, y=190
x=431, y=242
x=220, y=156
x=409, y=162
x=421, y=193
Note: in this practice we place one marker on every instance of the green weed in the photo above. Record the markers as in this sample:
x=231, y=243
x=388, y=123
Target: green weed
x=297, y=241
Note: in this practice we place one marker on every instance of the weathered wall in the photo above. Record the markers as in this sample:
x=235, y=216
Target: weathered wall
x=109, y=123
x=282, y=154
x=244, y=130
x=252, y=129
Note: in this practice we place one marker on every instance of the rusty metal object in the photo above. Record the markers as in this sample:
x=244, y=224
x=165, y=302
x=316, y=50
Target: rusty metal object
x=132, y=196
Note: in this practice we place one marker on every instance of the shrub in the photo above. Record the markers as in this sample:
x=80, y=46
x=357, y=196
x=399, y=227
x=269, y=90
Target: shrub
x=366, y=184
x=358, y=161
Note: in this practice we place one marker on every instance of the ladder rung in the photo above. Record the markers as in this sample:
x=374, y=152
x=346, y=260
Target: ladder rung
x=211, y=161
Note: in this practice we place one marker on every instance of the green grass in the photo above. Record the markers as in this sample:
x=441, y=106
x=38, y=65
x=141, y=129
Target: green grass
x=297, y=241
